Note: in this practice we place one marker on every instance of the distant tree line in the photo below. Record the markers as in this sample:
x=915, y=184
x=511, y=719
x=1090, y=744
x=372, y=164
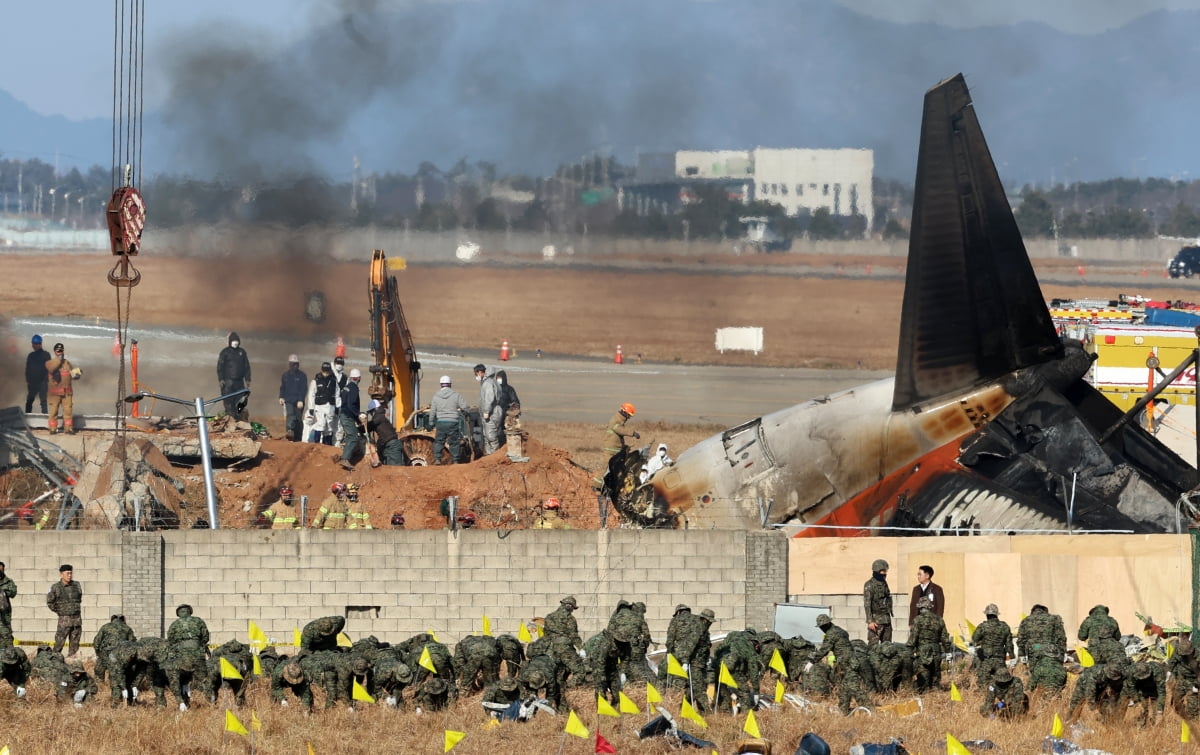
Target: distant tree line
x=579, y=198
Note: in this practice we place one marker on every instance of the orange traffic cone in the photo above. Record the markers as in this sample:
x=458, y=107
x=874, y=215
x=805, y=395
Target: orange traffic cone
x=504, y=351
x=340, y=351
x=619, y=358
x=116, y=349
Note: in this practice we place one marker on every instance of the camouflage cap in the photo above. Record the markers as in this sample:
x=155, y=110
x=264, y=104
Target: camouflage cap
x=403, y=672
x=925, y=604
x=1141, y=671
x=292, y=673
x=1113, y=671
x=991, y=610
x=183, y=610
x=75, y=668
x=10, y=656
x=569, y=602
x=1003, y=676
x=435, y=686
x=535, y=678
x=681, y=607
x=824, y=620
x=508, y=684
x=708, y=614
x=879, y=565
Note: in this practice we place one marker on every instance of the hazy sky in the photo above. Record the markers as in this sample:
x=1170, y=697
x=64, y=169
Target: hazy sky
x=62, y=64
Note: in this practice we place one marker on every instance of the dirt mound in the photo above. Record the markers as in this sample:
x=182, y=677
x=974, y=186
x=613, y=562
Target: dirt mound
x=500, y=493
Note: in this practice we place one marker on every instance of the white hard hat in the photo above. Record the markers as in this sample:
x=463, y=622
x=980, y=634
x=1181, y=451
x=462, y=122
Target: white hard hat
x=355, y=373
x=444, y=380
x=293, y=359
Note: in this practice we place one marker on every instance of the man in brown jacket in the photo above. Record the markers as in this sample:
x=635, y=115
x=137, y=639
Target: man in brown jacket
x=925, y=588
x=61, y=373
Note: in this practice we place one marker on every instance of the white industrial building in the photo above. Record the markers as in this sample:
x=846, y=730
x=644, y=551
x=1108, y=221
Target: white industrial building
x=800, y=180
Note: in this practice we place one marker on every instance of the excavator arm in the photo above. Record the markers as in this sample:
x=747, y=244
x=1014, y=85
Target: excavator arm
x=396, y=374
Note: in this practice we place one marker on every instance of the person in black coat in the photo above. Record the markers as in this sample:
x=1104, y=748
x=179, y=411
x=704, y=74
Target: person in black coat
x=36, y=376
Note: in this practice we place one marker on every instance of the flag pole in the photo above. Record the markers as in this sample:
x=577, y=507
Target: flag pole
x=563, y=742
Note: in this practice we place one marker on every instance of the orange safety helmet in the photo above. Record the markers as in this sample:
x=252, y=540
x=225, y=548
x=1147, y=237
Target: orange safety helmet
x=337, y=488
x=286, y=492
x=552, y=503
x=628, y=408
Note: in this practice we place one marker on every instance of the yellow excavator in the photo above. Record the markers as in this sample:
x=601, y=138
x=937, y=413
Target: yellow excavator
x=396, y=374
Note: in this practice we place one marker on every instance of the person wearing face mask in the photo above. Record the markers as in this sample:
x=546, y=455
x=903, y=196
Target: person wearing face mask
x=233, y=372
x=877, y=601
x=656, y=462
x=339, y=378
x=489, y=409
x=320, y=417
x=510, y=411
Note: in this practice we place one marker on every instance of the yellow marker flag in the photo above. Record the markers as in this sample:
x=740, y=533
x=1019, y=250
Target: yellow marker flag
x=541, y=630
x=344, y=641
x=779, y=691
x=674, y=668
x=955, y=695
x=576, y=728
x=751, y=726
x=960, y=643
x=4, y=750
x=425, y=661
x=296, y=637
x=970, y=627
x=1185, y=733
x=523, y=634
x=487, y=626
x=726, y=678
x=257, y=666
x=227, y=670
x=1085, y=658
x=234, y=725
x=652, y=695
x=954, y=747
x=604, y=707
x=1170, y=650
x=432, y=634
x=1056, y=730
x=254, y=722
x=256, y=635
x=626, y=705
x=777, y=662
x=310, y=749
x=687, y=711
x=453, y=738
x=360, y=693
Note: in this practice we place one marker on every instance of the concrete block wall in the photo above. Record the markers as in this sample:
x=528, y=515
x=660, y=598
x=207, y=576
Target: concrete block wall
x=393, y=583
x=32, y=560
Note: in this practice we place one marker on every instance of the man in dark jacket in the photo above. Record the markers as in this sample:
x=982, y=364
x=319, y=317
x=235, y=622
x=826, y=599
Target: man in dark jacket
x=388, y=446
x=36, y=376
x=233, y=372
x=926, y=588
x=293, y=387
x=349, y=418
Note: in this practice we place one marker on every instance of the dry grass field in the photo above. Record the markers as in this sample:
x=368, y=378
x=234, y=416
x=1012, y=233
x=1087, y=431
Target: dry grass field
x=41, y=726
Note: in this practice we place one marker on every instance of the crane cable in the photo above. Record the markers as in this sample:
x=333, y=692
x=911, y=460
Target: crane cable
x=127, y=105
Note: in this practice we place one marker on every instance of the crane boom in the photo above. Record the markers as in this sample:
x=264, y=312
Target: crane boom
x=396, y=374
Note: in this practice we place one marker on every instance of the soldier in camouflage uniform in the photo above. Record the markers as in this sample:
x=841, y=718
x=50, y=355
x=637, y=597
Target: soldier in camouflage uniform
x=1098, y=625
x=541, y=673
x=440, y=656
x=768, y=643
x=434, y=694
x=14, y=669
x=623, y=627
x=187, y=655
x=269, y=658
x=1146, y=685
x=739, y=654
x=239, y=656
x=392, y=675
x=679, y=620
x=504, y=691
x=8, y=591
x=64, y=599
x=512, y=653
x=603, y=662
x=1100, y=687
x=837, y=642
x=48, y=664
x=76, y=685
x=867, y=669
x=993, y=642
x=321, y=634
x=1006, y=696
x=358, y=669
x=893, y=665
x=289, y=676
x=856, y=680
x=1106, y=650
x=1041, y=642
x=477, y=659
x=1185, y=671
x=138, y=665
x=929, y=641
x=324, y=669
x=694, y=642
x=110, y=635
x=563, y=632
x=877, y=601
x=638, y=669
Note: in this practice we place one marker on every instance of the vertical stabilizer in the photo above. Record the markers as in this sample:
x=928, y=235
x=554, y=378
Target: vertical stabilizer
x=973, y=310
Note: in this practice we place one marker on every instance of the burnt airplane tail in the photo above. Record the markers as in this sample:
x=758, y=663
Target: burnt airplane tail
x=973, y=310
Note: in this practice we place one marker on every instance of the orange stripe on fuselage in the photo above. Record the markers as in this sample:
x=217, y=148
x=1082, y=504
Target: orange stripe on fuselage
x=877, y=504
